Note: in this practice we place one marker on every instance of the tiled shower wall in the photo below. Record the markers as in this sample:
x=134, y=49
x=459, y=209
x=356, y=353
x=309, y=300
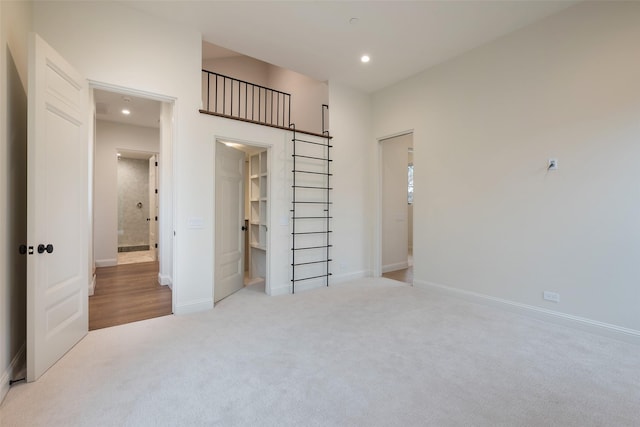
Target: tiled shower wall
x=133, y=189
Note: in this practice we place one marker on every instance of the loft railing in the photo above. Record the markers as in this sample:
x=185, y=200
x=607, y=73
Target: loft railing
x=228, y=97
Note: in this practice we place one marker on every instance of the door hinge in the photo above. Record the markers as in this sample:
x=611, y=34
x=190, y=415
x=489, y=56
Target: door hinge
x=156, y=163
x=156, y=245
x=156, y=191
x=156, y=218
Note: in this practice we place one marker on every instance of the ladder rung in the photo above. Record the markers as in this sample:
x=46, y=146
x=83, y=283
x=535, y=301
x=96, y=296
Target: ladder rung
x=311, y=142
x=311, y=157
x=312, y=247
x=315, y=203
x=312, y=232
x=311, y=217
x=312, y=262
x=315, y=173
x=313, y=277
x=314, y=188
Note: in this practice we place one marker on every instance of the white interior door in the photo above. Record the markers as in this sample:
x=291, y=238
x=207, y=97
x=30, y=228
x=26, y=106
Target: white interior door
x=57, y=208
x=153, y=206
x=229, y=275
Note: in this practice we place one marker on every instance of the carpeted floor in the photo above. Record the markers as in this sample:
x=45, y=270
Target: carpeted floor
x=371, y=353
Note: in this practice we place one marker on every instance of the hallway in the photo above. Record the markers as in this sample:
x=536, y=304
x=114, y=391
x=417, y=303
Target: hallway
x=127, y=293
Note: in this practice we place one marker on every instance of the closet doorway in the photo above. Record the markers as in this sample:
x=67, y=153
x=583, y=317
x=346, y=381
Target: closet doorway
x=241, y=217
x=127, y=210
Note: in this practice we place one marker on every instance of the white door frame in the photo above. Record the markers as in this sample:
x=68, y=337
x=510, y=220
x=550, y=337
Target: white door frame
x=166, y=167
x=268, y=147
x=377, y=255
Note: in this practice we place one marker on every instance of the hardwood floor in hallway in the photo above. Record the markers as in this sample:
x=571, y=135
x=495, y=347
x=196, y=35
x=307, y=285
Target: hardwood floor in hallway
x=405, y=275
x=127, y=293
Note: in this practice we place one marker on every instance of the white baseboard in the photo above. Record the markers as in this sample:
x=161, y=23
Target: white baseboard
x=92, y=285
x=335, y=279
x=284, y=290
x=397, y=266
x=165, y=280
x=11, y=370
x=576, y=322
x=308, y=285
x=347, y=277
x=106, y=262
x=194, y=306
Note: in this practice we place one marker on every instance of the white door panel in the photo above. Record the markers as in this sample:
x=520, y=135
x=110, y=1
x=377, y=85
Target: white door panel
x=57, y=208
x=229, y=276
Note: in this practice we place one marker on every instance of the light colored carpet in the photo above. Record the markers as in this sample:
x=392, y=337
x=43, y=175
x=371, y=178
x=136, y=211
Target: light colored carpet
x=371, y=353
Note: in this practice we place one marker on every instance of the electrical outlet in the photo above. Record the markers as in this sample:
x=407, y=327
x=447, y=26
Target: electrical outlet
x=551, y=296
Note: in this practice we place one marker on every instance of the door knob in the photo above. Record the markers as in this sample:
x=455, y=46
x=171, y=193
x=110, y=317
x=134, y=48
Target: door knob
x=42, y=248
x=22, y=249
x=243, y=228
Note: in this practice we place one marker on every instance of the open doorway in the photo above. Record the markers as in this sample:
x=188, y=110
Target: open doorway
x=397, y=208
x=241, y=217
x=137, y=206
x=128, y=209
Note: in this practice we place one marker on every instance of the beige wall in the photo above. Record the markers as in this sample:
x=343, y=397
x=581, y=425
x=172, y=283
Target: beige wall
x=493, y=221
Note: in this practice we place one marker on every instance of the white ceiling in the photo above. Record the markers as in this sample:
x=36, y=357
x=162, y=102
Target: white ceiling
x=109, y=106
x=316, y=38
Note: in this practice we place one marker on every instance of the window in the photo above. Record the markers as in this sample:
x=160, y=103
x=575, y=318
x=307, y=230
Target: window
x=410, y=184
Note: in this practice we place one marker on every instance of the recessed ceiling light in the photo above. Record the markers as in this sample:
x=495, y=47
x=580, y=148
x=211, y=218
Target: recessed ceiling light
x=126, y=112
x=365, y=58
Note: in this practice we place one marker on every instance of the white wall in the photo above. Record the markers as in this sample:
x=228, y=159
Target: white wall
x=110, y=137
x=353, y=224
x=395, y=212
x=166, y=199
x=15, y=23
x=493, y=221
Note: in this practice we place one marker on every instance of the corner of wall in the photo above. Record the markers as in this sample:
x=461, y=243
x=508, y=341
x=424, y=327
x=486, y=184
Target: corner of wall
x=165, y=280
x=194, y=306
x=92, y=284
x=17, y=364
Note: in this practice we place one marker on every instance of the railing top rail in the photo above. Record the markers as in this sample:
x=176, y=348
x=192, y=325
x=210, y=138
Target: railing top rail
x=243, y=81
